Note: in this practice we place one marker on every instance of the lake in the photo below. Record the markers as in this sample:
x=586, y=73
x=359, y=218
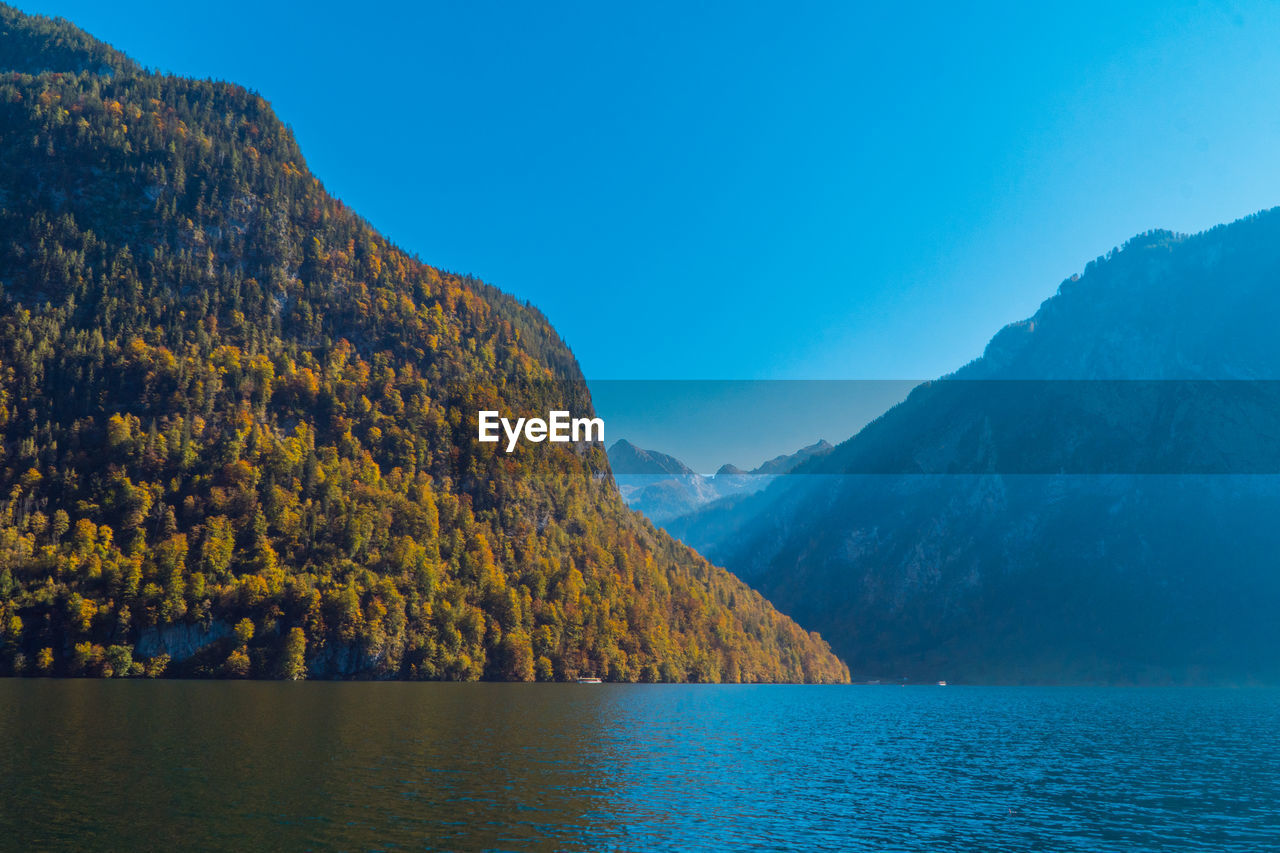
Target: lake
x=133, y=765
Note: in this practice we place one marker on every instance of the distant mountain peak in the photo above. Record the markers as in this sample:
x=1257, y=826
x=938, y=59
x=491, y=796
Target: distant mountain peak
x=787, y=463
x=664, y=488
x=626, y=458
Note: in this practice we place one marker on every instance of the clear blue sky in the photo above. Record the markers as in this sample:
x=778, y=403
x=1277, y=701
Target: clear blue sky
x=790, y=190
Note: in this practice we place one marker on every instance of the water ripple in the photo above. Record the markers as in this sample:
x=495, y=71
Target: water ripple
x=130, y=765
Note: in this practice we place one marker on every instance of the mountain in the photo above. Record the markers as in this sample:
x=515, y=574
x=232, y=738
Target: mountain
x=664, y=488
x=239, y=426
x=787, y=463
x=1092, y=500
x=626, y=458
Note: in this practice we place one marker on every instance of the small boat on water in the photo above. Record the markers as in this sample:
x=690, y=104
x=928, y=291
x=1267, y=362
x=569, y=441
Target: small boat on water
x=590, y=680
x=942, y=684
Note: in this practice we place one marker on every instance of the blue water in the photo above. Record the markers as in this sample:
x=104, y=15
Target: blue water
x=209, y=765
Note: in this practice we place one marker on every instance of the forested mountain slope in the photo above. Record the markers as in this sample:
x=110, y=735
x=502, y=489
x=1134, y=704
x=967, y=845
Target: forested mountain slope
x=239, y=425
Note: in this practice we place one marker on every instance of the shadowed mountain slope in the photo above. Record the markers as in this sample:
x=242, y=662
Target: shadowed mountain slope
x=1092, y=500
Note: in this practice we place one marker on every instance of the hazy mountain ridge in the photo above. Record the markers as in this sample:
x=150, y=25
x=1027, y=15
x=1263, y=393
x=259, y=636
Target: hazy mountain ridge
x=664, y=488
x=939, y=543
